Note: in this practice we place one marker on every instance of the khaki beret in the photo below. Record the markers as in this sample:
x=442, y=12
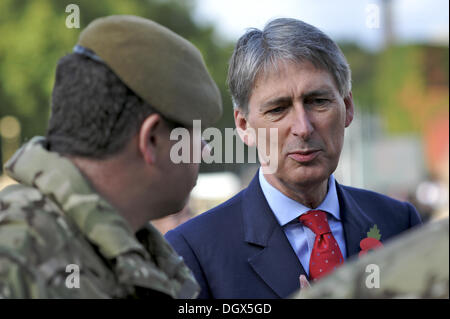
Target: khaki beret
x=163, y=68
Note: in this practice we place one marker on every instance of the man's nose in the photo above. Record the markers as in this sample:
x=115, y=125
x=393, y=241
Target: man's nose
x=301, y=123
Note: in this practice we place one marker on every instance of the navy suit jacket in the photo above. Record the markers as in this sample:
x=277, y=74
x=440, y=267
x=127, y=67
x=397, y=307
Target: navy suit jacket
x=238, y=249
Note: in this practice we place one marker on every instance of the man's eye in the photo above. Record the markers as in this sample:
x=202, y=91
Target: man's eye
x=319, y=101
x=276, y=110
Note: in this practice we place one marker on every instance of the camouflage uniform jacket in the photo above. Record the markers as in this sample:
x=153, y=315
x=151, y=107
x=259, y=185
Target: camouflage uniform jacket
x=53, y=220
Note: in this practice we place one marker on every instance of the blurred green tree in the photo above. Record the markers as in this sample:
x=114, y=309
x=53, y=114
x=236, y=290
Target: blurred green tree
x=407, y=85
x=34, y=36
x=411, y=86
x=363, y=71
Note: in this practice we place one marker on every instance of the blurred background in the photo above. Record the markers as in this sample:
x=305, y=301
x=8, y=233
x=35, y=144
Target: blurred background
x=397, y=145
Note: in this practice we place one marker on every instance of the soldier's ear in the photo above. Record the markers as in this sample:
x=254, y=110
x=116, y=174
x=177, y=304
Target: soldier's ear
x=149, y=137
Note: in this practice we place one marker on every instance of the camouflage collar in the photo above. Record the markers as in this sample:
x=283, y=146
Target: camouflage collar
x=57, y=178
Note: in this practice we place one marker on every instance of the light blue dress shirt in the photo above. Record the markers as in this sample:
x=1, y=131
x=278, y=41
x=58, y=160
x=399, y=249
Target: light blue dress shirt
x=287, y=211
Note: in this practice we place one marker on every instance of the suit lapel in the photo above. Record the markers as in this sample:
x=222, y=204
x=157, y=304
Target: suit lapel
x=355, y=222
x=276, y=262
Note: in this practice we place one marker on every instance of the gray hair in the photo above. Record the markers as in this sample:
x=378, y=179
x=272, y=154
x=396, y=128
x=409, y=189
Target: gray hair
x=283, y=40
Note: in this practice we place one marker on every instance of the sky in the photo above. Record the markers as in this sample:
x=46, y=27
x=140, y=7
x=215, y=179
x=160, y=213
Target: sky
x=413, y=20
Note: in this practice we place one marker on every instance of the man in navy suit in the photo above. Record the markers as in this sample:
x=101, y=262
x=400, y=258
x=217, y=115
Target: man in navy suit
x=295, y=220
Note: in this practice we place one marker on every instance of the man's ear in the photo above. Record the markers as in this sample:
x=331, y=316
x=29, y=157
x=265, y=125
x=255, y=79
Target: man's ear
x=349, y=109
x=148, y=137
x=245, y=131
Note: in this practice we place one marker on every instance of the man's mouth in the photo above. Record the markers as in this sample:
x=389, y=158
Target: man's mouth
x=304, y=156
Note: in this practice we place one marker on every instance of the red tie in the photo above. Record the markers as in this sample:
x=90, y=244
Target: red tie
x=326, y=255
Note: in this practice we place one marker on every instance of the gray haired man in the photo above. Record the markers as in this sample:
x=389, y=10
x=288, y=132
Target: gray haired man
x=297, y=221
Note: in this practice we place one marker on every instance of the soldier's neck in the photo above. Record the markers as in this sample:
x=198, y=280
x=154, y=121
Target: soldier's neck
x=119, y=187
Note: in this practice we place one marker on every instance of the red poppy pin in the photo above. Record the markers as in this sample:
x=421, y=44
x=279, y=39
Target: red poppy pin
x=372, y=241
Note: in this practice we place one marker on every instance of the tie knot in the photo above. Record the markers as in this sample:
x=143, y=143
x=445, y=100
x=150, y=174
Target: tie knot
x=316, y=220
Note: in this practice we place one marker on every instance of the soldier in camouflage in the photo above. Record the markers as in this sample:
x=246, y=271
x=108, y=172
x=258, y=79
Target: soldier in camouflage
x=77, y=223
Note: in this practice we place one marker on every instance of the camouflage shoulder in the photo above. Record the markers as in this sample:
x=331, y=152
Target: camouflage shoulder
x=31, y=233
x=415, y=265
x=17, y=278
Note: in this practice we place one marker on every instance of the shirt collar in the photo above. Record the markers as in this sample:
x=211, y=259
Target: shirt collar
x=287, y=209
